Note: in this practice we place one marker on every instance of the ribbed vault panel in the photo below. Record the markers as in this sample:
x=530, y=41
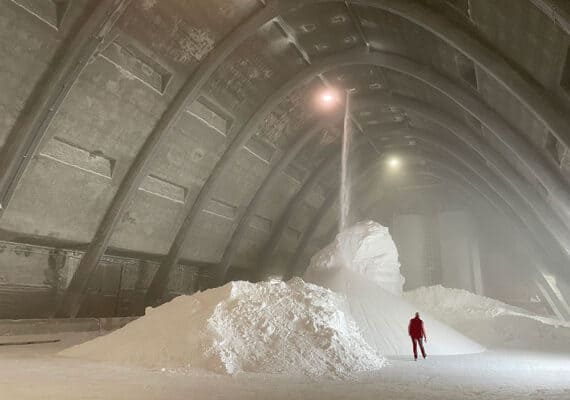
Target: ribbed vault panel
x=526, y=36
x=316, y=196
x=515, y=113
x=412, y=87
x=27, y=45
x=186, y=160
x=423, y=123
x=318, y=149
x=451, y=8
x=208, y=240
x=322, y=29
x=523, y=171
x=391, y=33
x=107, y=113
x=358, y=78
x=184, y=32
x=262, y=63
x=148, y=224
x=191, y=152
x=39, y=208
x=283, y=190
x=238, y=184
x=291, y=116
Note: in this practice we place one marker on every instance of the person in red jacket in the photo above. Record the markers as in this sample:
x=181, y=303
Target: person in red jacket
x=417, y=333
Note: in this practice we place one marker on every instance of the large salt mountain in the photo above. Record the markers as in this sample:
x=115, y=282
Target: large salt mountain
x=362, y=264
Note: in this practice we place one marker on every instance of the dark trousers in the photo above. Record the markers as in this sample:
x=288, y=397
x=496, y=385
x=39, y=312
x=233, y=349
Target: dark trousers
x=415, y=342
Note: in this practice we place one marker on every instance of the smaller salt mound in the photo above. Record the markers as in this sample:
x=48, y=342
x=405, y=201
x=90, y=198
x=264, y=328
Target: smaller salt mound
x=459, y=303
x=491, y=322
x=367, y=249
x=292, y=328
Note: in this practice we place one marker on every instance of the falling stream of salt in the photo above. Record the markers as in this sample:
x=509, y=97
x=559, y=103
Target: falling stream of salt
x=344, y=194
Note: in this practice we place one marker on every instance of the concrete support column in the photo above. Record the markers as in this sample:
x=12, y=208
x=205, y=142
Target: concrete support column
x=409, y=232
x=458, y=252
x=433, y=250
x=475, y=259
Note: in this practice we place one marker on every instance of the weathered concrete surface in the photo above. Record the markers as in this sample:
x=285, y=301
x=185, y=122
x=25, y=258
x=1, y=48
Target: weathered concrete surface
x=155, y=47
x=55, y=326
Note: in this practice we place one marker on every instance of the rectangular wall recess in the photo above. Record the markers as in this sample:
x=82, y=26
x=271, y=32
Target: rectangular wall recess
x=221, y=209
x=72, y=155
x=167, y=190
x=52, y=12
x=212, y=116
x=554, y=148
x=292, y=234
x=260, y=223
x=295, y=172
x=127, y=57
x=565, y=78
x=260, y=149
x=466, y=69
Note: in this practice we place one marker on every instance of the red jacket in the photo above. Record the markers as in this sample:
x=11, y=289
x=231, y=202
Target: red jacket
x=416, y=328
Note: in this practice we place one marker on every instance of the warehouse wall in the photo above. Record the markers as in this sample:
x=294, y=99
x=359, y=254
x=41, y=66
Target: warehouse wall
x=33, y=278
x=409, y=232
x=460, y=264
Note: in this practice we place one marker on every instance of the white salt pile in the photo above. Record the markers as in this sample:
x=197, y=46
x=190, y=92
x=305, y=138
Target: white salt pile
x=292, y=328
x=366, y=248
x=491, y=322
x=452, y=304
x=362, y=263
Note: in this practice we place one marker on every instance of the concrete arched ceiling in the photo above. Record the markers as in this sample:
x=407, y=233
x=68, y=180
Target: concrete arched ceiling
x=171, y=129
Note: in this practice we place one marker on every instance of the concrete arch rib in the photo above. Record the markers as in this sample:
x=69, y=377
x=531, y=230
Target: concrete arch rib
x=529, y=92
x=31, y=128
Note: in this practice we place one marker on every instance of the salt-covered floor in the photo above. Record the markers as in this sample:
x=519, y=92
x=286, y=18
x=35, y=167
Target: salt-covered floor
x=35, y=372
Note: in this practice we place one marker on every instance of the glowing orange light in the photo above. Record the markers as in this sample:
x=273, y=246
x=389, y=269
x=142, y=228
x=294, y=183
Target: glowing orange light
x=328, y=98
